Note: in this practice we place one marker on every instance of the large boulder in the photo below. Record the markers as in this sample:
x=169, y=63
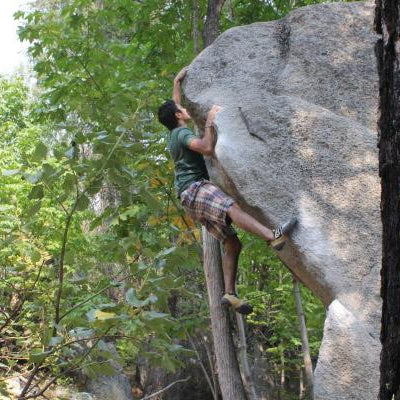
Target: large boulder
x=297, y=135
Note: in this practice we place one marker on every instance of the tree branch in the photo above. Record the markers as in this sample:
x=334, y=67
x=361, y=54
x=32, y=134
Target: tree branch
x=165, y=389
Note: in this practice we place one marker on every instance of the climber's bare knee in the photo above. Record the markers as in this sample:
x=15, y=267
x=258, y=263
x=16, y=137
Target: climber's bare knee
x=232, y=245
x=233, y=210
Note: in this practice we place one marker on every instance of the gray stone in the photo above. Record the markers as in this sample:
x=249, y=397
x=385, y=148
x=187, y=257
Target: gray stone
x=297, y=136
x=113, y=383
x=107, y=387
x=111, y=387
x=82, y=396
x=13, y=387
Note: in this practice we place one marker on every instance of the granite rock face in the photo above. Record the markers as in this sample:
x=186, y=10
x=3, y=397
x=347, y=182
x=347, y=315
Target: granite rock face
x=107, y=387
x=297, y=136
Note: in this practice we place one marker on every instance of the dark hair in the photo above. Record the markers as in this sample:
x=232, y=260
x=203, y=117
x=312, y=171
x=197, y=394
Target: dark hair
x=166, y=114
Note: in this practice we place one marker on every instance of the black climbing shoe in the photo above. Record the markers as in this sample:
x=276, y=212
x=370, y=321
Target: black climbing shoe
x=240, y=306
x=281, y=232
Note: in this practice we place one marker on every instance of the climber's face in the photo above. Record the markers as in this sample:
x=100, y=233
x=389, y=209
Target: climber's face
x=182, y=114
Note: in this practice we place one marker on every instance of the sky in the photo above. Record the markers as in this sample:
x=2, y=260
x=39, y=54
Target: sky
x=12, y=51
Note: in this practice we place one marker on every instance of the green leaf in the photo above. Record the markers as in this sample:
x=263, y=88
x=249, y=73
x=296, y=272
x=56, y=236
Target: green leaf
x=95, y=187
x=150, y=200
x=33, y=209
x=37, y=355
x=69, y=183
x=40, y=152
x=150, y=315
x=49, y=173
x=19, y=14
x=55, y=340
x=69, y=257
x=131, y=298
x=99, y=315
x=165, y=252
x=35, y=256
x=152, y=299
x=83, y=203
x=104, y=369
x=37, y=192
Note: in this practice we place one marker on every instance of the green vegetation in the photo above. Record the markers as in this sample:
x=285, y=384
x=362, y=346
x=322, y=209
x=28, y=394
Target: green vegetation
x=93, y=242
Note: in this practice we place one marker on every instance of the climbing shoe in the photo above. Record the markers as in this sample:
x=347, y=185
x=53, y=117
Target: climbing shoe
x=237, y=304
x=281, y=232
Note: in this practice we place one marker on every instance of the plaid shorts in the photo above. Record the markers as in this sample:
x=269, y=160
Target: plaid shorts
x=206, y=203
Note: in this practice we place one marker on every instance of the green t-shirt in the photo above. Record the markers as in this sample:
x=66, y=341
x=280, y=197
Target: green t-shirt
x=189, y=165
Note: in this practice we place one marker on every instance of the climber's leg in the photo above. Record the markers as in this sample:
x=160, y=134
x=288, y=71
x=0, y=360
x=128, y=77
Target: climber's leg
x=276, y=237
x=232, y=248
x=248, y=223
x=208, y=204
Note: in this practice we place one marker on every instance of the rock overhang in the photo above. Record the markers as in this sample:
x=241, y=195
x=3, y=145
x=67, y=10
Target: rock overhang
x=297, y=135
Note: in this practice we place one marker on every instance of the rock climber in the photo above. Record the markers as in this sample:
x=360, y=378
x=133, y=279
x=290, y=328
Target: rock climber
x=202, y=200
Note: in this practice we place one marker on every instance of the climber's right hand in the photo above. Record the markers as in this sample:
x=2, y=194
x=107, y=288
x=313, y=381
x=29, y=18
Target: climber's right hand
x=181, y=75
x=212, y=113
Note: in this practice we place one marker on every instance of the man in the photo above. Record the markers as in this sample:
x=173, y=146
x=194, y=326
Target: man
x=202, y=200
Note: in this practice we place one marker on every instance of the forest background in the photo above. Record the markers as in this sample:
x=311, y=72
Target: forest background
x=94, y=246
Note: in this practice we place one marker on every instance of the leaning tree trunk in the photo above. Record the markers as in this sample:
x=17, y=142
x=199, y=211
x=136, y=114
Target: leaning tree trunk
x=211, y=26
x=229, y=377
x=388, y=54
x=246, y=372
x=304, y=338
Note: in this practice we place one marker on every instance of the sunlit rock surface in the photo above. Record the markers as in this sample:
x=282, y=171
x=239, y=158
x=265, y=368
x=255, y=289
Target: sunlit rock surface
x=297, y=135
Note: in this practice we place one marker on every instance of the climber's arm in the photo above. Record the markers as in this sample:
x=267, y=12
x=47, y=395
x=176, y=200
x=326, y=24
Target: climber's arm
x=206, y=144
x=176, y=91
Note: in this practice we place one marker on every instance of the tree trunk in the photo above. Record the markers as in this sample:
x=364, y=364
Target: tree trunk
x=387, y=23
x=301, y=384
x=231, y=12
x=211, y=26
x=211, y=363
x=304, y=338
x=282, y=370
x=196, y=34
x=229, y=377
x=203, y=368
x=247, y=376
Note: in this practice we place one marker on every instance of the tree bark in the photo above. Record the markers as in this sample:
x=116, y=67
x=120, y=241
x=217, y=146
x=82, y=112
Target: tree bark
x=196, y=34
x=229, y=377
x=231, y=12
x=304, y=337
x=211, y=363
x=387, y=23
x=301, y=384
x=211, y=26
x=247, y=376
x=283, y=370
